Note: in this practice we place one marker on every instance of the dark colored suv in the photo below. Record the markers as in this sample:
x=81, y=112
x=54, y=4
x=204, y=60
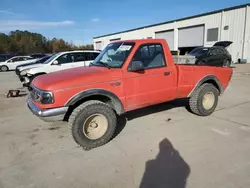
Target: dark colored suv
x=214, y=56
x=4, y=57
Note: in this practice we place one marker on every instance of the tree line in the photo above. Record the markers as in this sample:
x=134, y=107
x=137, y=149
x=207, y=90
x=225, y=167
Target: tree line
x=25, y=42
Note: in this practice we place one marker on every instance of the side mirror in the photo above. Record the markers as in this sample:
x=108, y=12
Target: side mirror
x=136, y=66
x=55, y=63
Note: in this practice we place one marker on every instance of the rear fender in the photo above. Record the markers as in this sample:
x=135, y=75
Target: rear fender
x=208, y=79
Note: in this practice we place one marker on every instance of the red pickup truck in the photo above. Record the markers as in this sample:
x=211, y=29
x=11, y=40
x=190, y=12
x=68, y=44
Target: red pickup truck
x=127, y=75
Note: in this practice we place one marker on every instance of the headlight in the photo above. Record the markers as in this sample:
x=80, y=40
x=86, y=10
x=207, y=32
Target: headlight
x=24, y=72
x=43, y=97
x=46, y=98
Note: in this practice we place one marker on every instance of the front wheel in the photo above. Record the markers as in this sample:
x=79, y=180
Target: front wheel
x=92, y=124
x=4, y=68
x=205, y=100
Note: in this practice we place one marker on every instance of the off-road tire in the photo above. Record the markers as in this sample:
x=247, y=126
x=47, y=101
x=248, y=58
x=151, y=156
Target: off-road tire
x=196, y=101
x=4, y=68
x=81, y=113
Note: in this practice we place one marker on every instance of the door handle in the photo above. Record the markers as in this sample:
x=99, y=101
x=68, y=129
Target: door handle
x=167, y=73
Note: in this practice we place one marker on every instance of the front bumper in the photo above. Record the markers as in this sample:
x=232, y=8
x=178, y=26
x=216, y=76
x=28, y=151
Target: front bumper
x=47, y=115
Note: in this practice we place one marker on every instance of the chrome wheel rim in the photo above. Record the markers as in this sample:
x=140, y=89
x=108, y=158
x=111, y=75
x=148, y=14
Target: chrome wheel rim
x=95, y=126
x=208, y=100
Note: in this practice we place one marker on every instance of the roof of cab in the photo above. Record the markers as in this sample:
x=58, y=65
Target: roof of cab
x=140, y=41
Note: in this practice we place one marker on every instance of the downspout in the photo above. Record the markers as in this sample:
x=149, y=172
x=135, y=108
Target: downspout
x=221, y=25
x=244, y=33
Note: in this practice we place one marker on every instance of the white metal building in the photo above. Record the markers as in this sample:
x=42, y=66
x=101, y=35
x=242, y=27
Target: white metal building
x=230, y=24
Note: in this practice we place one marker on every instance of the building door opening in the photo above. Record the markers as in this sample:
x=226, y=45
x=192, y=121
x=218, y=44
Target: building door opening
x=186, y=50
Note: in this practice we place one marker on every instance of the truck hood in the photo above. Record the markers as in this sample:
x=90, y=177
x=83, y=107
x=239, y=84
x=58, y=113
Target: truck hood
x=76, y=77
x=26, y=64
x=30, y=66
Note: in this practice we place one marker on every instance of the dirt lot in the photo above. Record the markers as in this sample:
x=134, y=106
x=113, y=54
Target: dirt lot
x=160, y=146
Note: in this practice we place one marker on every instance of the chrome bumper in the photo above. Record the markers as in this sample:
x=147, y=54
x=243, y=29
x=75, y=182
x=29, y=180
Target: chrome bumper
x=48, y=115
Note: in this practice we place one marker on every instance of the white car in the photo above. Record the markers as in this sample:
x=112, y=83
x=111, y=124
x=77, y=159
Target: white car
x=57, y=62
x=13, y=62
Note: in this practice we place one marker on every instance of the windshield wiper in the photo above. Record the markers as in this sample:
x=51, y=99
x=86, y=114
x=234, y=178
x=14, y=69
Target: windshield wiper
x=104, y=64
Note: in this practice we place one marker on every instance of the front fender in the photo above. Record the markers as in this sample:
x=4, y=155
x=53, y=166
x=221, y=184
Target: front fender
x=118, y=106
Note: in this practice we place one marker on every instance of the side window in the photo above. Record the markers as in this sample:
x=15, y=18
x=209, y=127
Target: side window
x=79, y=57
x=90, y=56
x=151, y=56
x=213, y=52
x=25, y=58
x=13, y=60
x=220, y=52
x=66, y=58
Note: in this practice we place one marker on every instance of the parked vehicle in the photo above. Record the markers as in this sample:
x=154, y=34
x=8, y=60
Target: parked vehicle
x=13, y=62
x=22, y=67
x=215, y=56
x=127, y=75
x=57, y=62
x=4, y=57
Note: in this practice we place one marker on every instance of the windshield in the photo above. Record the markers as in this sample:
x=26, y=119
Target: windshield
x=43, y=59
x=50, y=59
x=114, y=55
x=198, y=51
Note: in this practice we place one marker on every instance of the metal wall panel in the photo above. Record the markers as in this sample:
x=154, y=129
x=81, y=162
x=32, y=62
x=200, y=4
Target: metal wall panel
x=191, y=36
x=246, y=53
x=168, y=36
x=235, y=20
x=98, y=45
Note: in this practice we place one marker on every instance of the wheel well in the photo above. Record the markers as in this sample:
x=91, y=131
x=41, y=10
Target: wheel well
x=101, y=98
x=215, y=84
x=40, y=73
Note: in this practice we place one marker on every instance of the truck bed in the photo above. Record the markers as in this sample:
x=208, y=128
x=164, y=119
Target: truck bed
x=189, y=77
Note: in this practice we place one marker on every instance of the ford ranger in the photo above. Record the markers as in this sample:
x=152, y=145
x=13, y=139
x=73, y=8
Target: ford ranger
x=127, y=75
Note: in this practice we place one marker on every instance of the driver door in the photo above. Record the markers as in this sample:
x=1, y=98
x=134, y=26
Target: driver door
x=155, y=84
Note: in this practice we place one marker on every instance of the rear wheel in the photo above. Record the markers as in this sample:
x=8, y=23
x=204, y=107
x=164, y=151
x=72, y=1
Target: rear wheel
x=204, y=100
x=92, y=124
x=4, y=68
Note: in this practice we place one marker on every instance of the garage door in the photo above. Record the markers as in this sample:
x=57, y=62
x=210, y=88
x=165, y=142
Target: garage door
x=98, y=45
x=191, y=36
x=168, y=36
x=116, y=39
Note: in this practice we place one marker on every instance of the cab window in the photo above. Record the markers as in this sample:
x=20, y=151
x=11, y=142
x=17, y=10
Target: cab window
x=151, y=56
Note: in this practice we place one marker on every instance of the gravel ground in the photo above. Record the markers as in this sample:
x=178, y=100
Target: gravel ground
x=159, y=146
